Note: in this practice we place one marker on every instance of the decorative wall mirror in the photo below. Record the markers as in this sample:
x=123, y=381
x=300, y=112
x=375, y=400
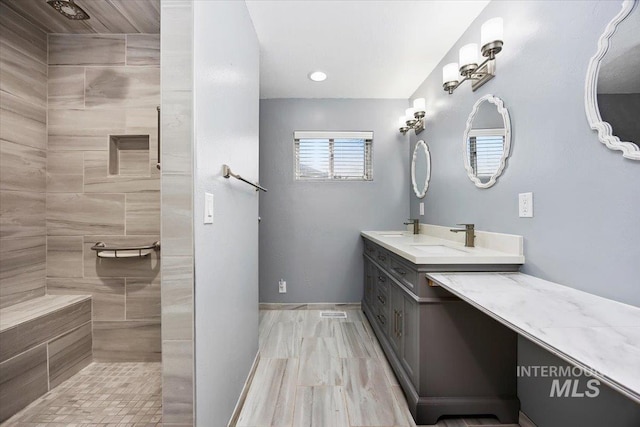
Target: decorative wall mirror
x=487, y=141
x=612, y=96
x=421, y=169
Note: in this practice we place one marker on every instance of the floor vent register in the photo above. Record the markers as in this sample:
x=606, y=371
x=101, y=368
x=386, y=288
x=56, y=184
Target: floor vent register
x=333, y=314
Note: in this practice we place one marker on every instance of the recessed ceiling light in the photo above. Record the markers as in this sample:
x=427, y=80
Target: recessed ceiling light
x=318, y=76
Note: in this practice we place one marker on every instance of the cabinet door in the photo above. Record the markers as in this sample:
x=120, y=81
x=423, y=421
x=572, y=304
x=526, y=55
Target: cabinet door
x=410, y=331
x=368, y=282
x=396, y=309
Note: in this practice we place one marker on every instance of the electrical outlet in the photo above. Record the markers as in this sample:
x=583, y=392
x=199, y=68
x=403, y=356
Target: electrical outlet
x=525, y=205
x=282, y=286
x=421, y=208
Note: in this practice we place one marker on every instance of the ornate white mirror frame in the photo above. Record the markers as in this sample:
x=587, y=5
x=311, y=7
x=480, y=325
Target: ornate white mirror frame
x=605, y=132
x=421, y=192
x=507, y=140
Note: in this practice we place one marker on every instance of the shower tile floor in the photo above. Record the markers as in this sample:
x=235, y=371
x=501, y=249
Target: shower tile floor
x=102, y=394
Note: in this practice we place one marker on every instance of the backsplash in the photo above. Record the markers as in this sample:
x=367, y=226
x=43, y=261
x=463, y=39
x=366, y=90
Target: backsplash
x=101, y=187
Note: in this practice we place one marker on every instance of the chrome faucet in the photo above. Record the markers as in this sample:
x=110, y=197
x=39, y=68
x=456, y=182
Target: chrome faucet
x=416, y=225
x=469, y=230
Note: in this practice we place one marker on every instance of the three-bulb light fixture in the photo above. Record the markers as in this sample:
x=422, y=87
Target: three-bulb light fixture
x=491, y=39
x=413, y=117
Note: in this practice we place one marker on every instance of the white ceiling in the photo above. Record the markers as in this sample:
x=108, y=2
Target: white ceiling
x=369, y=49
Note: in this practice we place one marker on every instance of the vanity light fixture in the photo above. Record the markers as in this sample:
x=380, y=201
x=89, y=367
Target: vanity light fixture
x=413, y=117
x=491, y=35
x=318, y=76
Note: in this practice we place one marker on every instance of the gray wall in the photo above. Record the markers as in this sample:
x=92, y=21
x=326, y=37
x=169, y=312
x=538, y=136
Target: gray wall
x=586, y=201
x=309, y=234
x=226, y=71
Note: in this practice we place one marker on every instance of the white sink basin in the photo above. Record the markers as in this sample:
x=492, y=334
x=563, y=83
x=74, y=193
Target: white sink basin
x=439, y=250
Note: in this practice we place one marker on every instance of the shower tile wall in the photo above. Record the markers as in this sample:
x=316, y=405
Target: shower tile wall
x=177, y=213
x=99, y=86
x=23, y=156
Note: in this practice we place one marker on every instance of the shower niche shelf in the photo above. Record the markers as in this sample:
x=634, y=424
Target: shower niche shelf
x=129, y=155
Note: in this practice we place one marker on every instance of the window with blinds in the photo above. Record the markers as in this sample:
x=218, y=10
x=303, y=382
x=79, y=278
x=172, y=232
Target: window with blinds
x=333, y=156
x=485, y=150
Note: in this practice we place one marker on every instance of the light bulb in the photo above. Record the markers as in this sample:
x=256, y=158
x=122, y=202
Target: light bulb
x=468, y=54
x=318, y=76
x=491, y=31
x=408, y=113
x=419, y=105
x=450, y=73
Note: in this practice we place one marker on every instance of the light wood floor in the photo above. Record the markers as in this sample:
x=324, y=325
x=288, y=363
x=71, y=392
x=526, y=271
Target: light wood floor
x=326, y=372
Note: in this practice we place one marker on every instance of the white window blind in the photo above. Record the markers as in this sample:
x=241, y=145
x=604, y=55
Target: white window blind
x=485, y=150
x=333, y=156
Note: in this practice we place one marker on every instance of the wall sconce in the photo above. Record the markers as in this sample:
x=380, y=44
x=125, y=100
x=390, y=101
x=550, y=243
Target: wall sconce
x=491, y=37
x=413, y=117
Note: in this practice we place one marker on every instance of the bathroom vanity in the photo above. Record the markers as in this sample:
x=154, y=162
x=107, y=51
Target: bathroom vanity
x=449, y=357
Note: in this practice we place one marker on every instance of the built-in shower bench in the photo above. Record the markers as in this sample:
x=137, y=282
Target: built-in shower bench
x=43, y=341
x=596, y=334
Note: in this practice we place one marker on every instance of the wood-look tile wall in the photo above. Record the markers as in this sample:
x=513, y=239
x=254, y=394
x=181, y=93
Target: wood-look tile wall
x=177, y=213
x=99, y=86
x=23, y=157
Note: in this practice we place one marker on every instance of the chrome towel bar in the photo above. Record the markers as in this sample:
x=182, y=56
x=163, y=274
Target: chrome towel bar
x=226, y=172
x=104, y=251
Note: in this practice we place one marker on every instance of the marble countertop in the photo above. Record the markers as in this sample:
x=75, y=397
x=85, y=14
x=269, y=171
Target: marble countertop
x=588, y=331
x=437, y=245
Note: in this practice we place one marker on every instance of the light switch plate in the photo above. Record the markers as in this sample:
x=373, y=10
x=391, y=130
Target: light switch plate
x=525, y=205
x=421, y=208
x=208, y=208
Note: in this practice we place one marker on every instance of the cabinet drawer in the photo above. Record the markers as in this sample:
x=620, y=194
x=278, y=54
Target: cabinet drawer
x=370, y=249
x=382, y=315
x=383, y=257
x=382, y=281
x=405, y=274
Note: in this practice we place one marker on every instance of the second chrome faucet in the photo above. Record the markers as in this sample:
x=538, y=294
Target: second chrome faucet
x=470, y=236
x=416, y=225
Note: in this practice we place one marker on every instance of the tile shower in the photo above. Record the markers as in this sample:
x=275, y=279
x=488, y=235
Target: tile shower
x=101, y=88
x=71, y=176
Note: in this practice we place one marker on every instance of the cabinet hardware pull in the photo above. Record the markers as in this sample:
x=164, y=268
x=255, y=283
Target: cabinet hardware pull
x=400, y=271
x=400, y=324
x=382, y=257
x=395, y=322
x=382, y=300
x=382, y=319
x=371, y=250
x=382, y=278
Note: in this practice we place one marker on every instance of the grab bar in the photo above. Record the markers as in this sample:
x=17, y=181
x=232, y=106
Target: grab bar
x=158, y=164
x=104, y=251
x=226, y=172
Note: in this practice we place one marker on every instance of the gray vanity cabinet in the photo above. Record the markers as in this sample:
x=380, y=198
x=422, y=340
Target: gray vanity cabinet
x=449, y=358
x=403, y=332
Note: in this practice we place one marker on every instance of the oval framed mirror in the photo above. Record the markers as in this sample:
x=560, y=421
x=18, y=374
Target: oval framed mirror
x=487, y=141
x=612, y=91
x=421, y=169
